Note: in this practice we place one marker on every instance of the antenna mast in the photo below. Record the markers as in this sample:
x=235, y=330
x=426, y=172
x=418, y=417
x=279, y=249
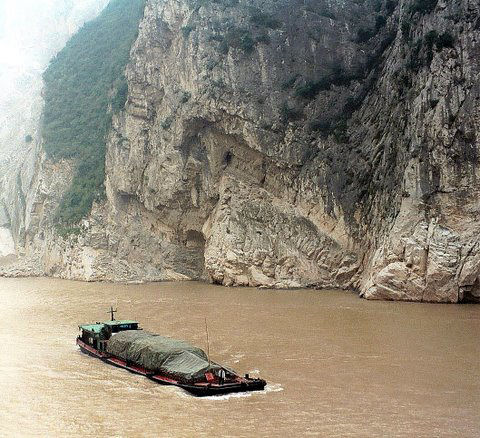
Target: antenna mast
x=112, y=311
x=208, y=342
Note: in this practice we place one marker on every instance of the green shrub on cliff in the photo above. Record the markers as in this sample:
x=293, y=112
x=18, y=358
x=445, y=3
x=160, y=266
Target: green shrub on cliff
x=234, y=37
x=445, y=40
x=264, y=19
x=187, y=30
x=364, y=35
x=423, y=6
x=310, y=89
x=82, y=82
x=288, y=114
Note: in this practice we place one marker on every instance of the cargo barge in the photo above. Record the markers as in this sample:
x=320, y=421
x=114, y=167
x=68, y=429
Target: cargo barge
x=161, y=359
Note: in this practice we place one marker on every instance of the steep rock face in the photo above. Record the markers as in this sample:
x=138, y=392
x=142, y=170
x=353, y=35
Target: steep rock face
x=304, y=151
x=204, y=145
x=430, y=252
x=31, y=34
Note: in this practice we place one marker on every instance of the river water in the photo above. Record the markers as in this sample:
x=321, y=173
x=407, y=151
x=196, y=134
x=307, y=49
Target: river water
x=337, y=366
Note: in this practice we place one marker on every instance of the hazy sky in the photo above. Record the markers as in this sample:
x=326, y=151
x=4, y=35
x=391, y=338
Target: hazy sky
x=20, y=22
x=31, y=32
x=31, y=29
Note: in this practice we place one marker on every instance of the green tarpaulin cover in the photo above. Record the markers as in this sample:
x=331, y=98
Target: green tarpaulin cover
x=161, y=354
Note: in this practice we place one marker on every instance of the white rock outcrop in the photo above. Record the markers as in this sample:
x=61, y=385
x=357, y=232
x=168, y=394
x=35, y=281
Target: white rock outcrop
x=223, y=167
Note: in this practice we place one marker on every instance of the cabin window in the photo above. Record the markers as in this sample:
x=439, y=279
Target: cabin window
x=121, y=327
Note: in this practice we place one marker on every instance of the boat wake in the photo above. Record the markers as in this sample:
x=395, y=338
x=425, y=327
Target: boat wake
x=236, y=358
x=269, y=388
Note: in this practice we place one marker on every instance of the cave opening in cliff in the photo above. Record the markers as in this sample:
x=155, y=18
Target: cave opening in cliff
x=195, y=239
x=470, y=295
x=195, y=243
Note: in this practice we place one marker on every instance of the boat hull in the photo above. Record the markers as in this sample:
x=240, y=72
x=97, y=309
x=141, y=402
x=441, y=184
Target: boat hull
x=199, y=390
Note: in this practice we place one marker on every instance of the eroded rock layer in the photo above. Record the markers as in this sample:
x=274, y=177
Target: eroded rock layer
x=287, y=144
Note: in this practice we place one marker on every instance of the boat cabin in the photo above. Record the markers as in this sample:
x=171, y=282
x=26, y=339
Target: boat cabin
x=99, y=333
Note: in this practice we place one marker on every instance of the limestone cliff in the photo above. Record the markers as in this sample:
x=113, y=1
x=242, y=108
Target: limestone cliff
x=31, y=33
x=287, y=144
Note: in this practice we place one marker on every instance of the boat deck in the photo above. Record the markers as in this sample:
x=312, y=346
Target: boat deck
x=199, y=388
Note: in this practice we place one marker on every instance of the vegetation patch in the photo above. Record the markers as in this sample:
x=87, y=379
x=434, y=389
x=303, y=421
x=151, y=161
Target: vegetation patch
x=237, y=38
x=66, y=231
x=263, y=19
x=288, y=114
x=423, y=6
x=327, y=14
x=262, y=38
x=120, y=95
x=186, y=30
x=422, y=51
x=185, y=97
x=439, y=41
x=364, y=35
x=244, y=38
x=311, y=88
x=197, y=4
x=338, y=76
x=82, y=82
x=445, y=40
x=290, y=82
x=167, y=123
x=211, y=64
x=406, y=28
x=380, y=21
x=416, y=62
x=373, y=59
x=322, y=10
x=337, y=129
x=390, y=6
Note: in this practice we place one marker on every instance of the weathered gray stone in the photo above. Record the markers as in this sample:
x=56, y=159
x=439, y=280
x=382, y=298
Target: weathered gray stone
x=213, y=169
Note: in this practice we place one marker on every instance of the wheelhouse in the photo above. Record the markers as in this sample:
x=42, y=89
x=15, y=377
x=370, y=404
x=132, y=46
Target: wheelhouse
x=97, y=335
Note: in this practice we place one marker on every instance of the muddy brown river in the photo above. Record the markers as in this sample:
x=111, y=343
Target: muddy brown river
x=336, y=365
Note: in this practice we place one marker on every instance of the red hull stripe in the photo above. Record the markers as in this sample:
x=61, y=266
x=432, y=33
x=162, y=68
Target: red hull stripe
x=204, y=387
x=163, y=379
